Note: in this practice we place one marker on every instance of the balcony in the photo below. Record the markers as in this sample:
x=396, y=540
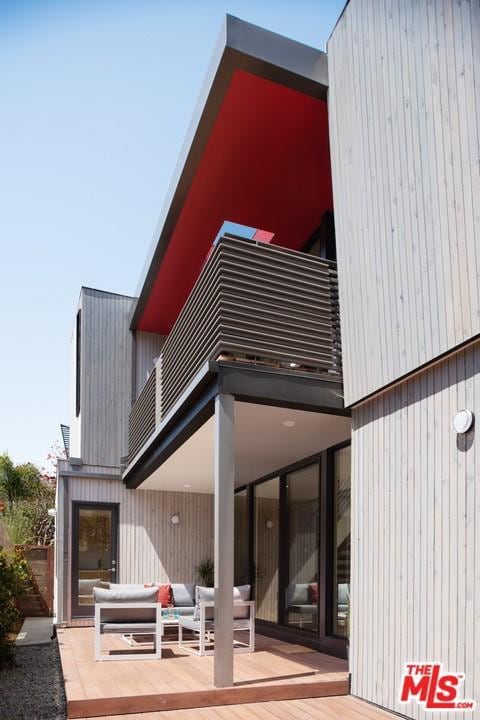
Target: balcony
x=258, y=304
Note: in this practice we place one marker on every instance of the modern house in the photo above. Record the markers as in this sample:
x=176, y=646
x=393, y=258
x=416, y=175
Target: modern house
x=281, y=393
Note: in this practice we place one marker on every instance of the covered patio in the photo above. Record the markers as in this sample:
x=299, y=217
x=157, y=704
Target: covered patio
x=275, y=671
x=229, y=442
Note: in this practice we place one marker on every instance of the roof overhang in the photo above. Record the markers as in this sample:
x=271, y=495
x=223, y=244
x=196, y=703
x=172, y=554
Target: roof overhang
x=272, y=387
x=256, y=153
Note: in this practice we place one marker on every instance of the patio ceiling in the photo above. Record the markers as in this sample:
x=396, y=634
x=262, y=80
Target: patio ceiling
x=265, y=441
x=257, y=154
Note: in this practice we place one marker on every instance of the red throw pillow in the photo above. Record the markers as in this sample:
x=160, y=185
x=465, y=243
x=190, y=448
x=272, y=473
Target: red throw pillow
x=313, y=593
x=164, y=593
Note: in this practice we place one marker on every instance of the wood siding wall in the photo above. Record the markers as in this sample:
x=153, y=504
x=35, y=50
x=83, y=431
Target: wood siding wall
x=151, y=549
x=404, y=117
x=106, y=373
x=416, y=533
x=148, y=346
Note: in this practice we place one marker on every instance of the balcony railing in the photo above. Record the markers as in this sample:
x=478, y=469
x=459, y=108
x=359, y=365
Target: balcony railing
x=258, y=304
x=141, y=423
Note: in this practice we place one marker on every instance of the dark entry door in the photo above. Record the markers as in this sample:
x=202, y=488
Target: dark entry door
x=94, y=553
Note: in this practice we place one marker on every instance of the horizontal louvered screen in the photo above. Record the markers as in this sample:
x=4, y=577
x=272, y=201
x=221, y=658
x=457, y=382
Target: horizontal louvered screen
x=256, y=303
x=142, y=417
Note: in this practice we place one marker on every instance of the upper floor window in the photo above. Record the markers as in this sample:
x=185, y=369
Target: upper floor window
x=322, y=242
x=78, y=347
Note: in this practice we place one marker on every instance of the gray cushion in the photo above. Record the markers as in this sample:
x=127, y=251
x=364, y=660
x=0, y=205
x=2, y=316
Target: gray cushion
x=183, y=594
x=127, y=595
x=185, y=611
x=85, y=586
x=204, y=594
x=138, y=628
x=298, y=594
x=311, y=609
x=343, y=594
x=241, y=592
x=190, y=624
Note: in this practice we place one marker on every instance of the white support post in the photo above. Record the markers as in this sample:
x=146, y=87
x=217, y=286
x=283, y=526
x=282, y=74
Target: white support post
x=224, y=538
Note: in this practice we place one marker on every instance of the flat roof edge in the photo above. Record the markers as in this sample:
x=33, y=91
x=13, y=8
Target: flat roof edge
x=240, y=45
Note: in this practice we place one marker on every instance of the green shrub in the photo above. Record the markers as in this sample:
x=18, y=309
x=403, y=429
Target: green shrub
x=27, y=521
x=13, y=574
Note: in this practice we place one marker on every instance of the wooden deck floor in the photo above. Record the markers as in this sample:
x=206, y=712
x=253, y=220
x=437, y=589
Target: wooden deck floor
x=180, y=680
x=335, y=708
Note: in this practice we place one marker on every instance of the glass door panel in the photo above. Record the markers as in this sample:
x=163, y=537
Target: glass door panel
x=302, y=510
x=94, y=553
x=341, y=562
x=241, y=555
x=267, y=518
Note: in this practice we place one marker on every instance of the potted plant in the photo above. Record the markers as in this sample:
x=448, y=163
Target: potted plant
x=206, y=572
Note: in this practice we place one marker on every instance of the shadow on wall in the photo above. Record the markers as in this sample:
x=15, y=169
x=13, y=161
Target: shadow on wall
x=455, y=375
x=176, y=548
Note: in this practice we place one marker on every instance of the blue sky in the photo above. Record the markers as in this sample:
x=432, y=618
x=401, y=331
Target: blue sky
x=95, y=100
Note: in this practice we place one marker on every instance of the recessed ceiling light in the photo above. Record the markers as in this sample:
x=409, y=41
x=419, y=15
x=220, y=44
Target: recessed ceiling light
x=187, y=486
x=294, y=365
x=288, y=423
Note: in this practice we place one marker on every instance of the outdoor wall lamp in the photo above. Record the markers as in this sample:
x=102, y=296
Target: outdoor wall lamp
x=175, y=519
x=269, y=524
x=463, y=421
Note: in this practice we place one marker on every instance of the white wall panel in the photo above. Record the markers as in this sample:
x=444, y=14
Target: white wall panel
x=416, y=533
x=404, y=117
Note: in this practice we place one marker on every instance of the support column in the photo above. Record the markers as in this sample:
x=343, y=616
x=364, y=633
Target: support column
x=224, y=451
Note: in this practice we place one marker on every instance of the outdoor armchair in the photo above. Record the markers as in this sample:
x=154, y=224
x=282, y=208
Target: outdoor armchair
x=202, y=624
x=128, y=611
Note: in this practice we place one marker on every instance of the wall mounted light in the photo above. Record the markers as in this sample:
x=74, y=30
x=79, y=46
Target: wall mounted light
x=269, y=524
x=175, y=519
x=463, y=421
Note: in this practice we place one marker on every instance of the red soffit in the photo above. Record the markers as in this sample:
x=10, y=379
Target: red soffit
x=266, y=165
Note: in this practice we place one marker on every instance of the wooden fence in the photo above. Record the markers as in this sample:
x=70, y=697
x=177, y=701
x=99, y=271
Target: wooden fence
x=38, y=598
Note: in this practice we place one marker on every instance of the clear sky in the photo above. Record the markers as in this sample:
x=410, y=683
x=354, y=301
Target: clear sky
x=95, y=100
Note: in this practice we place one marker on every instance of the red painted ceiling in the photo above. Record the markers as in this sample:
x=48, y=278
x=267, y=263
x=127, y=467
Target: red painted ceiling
x=266, y=165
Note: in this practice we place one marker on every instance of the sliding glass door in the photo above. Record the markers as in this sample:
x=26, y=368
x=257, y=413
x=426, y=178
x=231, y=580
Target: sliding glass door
x=292, y=543
x=302, y=516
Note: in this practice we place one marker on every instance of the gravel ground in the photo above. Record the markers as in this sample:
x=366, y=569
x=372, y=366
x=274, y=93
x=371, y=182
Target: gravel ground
x=33, y=690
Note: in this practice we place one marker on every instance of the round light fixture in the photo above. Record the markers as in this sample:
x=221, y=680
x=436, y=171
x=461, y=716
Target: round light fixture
x=269, y=524
x=174, y=519
x=463, y=421
x=288, y=423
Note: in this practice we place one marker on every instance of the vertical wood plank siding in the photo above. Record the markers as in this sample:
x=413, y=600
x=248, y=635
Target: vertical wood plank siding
x=106, y=364
x=404, y=118
x=416, y=533
x=150, y=547
x=148, y=346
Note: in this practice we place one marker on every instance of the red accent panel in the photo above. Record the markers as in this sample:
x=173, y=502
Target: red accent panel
x=264, y=236
x=266, y=165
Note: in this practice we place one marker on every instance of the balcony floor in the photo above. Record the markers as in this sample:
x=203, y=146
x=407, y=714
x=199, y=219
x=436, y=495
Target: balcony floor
x=276, y=671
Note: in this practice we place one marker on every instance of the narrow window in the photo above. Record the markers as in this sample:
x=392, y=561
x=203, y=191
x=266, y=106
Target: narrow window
x=77, y=363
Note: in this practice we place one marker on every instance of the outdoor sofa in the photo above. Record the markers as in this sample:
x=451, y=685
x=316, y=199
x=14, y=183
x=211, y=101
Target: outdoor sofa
x=134, y=610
